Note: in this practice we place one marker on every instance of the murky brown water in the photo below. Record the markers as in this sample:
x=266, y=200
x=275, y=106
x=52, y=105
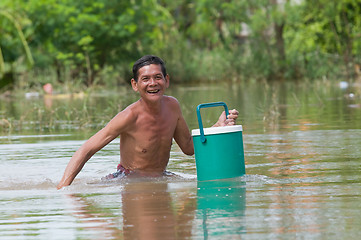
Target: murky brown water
x=303, y=164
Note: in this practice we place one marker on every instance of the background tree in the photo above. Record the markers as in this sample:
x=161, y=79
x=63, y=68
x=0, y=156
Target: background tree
x=13, y=45
x=97, y=41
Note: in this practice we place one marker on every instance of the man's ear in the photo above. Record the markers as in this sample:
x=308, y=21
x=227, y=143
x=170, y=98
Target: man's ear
x=134, y=85
x=167, y=81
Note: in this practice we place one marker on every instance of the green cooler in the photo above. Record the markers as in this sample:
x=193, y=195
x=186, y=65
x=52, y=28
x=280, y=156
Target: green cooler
x=219, y=151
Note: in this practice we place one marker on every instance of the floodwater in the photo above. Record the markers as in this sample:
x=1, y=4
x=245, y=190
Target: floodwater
x=302, y=152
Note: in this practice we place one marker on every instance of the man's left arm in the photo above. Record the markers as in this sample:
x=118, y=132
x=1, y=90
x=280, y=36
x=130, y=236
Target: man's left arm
x=183, y=137
x=224, y=121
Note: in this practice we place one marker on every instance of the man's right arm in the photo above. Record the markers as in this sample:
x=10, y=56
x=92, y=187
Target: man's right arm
x=83, y=154
x=92, y=145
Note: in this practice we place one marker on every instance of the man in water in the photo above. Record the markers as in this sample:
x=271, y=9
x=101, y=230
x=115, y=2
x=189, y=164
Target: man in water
x=146, y=127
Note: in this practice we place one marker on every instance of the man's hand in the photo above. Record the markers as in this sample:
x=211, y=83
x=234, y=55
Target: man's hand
x=231, y=120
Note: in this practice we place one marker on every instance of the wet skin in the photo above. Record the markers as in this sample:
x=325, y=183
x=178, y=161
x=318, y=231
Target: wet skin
x=146, y=129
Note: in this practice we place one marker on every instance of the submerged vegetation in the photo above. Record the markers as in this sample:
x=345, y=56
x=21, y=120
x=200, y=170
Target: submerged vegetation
x=87, y=43
x=269, y=106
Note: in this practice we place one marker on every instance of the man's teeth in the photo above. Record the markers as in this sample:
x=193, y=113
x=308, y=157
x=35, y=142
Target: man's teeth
x=153, y=91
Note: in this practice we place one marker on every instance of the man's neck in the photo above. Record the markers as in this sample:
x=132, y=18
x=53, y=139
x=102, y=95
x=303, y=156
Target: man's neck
x=152, y=107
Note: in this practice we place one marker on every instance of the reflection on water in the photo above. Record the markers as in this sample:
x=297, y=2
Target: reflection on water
x=147, y=210
x=96, y=222
x=302, y=153
x=222, y=200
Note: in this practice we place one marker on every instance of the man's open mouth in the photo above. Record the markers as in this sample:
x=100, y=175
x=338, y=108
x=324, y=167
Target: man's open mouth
x=153, y=91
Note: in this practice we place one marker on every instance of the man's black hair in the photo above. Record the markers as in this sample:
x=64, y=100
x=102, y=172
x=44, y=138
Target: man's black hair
x=147, y=60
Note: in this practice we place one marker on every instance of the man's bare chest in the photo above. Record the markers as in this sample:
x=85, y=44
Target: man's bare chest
x=157, y=129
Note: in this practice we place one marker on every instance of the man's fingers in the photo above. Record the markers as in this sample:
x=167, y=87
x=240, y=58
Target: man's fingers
x=230, y=122
x=233, y=112
x=232, y=117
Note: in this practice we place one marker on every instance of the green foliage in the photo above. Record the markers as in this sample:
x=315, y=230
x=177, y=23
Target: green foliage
x=97, y=41
x=13, y=44
x=325, y=35
x=85, y=36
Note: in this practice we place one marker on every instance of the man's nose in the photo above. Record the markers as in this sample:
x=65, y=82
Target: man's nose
x=152, y=81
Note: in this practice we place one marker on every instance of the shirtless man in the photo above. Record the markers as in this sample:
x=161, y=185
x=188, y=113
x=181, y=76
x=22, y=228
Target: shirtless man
x=146, y=127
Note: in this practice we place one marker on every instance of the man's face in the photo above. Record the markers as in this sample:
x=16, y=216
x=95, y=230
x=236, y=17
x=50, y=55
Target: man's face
x=151, y=83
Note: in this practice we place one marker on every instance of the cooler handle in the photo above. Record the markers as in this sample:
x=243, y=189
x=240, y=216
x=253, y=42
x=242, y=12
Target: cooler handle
x=207, y=105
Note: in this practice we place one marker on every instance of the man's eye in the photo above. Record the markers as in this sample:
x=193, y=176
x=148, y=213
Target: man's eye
x=158, y=77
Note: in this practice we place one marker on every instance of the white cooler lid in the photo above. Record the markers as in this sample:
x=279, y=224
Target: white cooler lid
x=217, y=130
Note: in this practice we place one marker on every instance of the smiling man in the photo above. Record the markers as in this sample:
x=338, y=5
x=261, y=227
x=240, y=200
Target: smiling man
x=146, y=127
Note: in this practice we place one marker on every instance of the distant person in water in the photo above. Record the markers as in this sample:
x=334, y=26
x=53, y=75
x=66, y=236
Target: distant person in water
x=146, y=127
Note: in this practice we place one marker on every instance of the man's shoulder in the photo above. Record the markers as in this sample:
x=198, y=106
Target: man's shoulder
x=171, y=100
x=130, y=112
x=133, y=107
x=173, y=105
